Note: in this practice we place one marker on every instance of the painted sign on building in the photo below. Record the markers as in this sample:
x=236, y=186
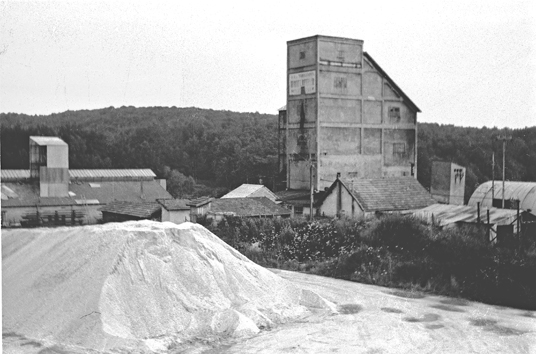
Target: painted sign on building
x=305, y=80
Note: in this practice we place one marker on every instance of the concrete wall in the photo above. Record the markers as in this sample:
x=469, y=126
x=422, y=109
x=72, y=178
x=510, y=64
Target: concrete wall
x=355, y=120
x=340, y=203
x=448, y=183
x=176, y=216
x=457, y=184
x=58, y=156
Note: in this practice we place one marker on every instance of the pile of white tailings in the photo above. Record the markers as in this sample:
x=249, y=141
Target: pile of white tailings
x=138, y=285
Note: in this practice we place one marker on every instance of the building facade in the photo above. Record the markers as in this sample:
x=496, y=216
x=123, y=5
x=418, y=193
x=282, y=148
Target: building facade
x=344, y=114
x=50, y=194
x=448, y=183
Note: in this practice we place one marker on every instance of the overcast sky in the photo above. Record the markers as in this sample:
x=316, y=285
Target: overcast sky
x=469, y=63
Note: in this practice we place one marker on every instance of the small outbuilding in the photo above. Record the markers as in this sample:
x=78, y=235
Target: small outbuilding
x=366, y=197
x=216, y=209
x=175, y=210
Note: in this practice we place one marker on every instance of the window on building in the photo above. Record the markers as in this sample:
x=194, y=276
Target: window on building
x=394, y=114
x=340, y=83
x=302, y=55
x=458, y=174
x=399, y=149
x=298, y=210
x=340, y=55
x=508, y=203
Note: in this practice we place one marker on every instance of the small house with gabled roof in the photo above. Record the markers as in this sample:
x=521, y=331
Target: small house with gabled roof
x=365, y=197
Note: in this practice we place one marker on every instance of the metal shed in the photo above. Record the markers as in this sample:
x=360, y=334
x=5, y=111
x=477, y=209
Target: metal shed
x=523, y=193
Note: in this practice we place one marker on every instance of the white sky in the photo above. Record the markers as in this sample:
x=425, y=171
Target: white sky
x=469, y=63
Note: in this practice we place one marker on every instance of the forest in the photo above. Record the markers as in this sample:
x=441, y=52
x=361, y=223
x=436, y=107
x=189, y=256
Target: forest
x=207, y=152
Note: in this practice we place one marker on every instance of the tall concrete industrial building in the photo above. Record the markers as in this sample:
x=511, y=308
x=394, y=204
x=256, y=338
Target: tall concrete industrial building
x=344, y=114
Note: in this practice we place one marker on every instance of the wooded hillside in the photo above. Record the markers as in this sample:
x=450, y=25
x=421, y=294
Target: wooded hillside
x=225, y=149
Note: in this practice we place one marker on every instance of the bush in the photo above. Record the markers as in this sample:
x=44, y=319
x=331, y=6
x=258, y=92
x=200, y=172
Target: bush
x=395, y=250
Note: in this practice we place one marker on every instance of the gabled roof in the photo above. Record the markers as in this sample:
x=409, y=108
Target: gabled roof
x=250, y=190
x=390, y=194
x=248, y=207
x=391, y=81
x=174, y=204
x=139, y=210
x=385, y=194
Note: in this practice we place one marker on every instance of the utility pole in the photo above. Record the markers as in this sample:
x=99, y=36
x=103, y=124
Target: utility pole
x=311, y=197
x=492, y=177
x=504, y=138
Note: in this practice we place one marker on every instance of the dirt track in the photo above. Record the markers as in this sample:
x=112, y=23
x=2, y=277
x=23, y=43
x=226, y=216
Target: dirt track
x=380, y=320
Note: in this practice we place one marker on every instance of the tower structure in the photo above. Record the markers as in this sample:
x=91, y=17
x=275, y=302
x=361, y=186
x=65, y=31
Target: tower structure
x=344, y=115
x=49, y=164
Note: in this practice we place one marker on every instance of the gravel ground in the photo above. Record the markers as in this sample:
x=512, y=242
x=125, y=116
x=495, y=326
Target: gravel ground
x=374, y=319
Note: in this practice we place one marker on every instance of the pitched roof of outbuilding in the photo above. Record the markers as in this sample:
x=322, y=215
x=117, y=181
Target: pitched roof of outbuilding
x=175, y=204
x=390, y=194
x=261, y=206
x=139, y=210
x=250, y=190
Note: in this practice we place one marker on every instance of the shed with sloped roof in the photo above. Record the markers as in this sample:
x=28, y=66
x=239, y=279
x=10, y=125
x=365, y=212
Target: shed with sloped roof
x=364, y=197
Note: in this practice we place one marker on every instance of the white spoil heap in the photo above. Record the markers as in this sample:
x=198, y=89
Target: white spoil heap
x=138, y=285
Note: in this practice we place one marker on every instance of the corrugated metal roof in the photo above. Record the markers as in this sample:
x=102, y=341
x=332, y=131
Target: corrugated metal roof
x=445, y=214
x=250, y=190
x=390, y=194
x=131, y=191
x=87, y=175
x=525, y=192
x=47, y=140
x=116, y=174
x=14, y=175
x=140, y=210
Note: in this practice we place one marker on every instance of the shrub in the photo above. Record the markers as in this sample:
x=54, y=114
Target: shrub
x=397, y=232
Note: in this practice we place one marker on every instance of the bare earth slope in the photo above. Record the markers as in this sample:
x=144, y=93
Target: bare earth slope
x=136, y=286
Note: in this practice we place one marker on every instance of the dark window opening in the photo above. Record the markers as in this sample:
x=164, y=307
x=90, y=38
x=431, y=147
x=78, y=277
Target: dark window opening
x=340, y=83
x=394, y=114
x=302, y=55
x=508, y=203
x=298, y=210
x=340, y=55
